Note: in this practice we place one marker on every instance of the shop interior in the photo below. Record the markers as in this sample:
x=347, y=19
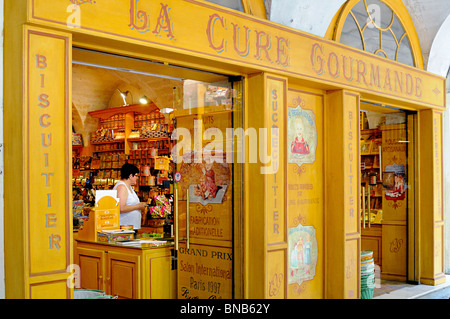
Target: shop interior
x=386, y=158
x=123, y=112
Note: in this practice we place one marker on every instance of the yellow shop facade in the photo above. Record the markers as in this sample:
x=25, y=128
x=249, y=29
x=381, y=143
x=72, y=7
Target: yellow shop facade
x=319, y=150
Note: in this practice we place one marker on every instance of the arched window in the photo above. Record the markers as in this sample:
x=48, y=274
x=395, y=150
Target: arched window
x=375, y=27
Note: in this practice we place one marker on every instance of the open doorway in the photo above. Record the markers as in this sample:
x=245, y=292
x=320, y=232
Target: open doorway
x=387, y=194
x=125, y=111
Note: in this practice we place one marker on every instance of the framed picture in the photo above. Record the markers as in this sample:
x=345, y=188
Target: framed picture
x=388, y=180
x=374, y=148
x=365, y=147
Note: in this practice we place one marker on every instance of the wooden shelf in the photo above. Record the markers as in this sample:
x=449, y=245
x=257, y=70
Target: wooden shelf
x=135, y=108
x=151, y=139
x=122, y=140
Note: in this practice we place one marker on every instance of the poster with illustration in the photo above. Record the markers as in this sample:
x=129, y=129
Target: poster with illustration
x=303, y=253
x=207, y=180
x=394, y=182
x=302, y=136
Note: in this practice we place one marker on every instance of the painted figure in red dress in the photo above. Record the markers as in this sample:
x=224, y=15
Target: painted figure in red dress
x=207, y=188
x=299, y=145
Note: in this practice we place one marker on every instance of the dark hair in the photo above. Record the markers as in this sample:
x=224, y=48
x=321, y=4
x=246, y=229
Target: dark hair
x=128, y=169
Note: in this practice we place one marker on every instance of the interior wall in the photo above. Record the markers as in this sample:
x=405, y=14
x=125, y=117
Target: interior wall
x=97, y=88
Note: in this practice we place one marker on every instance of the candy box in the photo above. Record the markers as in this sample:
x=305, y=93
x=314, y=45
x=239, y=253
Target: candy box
x=115, y=235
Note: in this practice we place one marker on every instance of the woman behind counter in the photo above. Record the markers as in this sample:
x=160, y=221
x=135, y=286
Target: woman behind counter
x=130, y=205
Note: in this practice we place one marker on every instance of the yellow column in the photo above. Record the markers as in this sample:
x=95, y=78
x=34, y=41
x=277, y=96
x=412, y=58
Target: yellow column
x=266, y=234
x=37, y=112
x=431, y=226
x=342, y=195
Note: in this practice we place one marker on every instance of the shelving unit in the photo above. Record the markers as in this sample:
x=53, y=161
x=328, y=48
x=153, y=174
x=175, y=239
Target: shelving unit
x=118, y=140
x=371, y=164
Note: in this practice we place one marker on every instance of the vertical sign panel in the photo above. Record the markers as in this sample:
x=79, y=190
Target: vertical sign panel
x=351, y=194
x=274, y=159
x=437, y=158
x=305, y=194
x=351, y=163
x=438, y=209
x=47, y=149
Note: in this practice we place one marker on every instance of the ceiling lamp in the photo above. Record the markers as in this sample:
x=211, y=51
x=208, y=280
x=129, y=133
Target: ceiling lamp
x=166, y=110
x=143, y=100
x=124, y=96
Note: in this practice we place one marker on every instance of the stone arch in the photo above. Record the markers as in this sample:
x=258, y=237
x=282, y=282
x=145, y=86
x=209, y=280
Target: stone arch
x=306, y=15
x=439, y=60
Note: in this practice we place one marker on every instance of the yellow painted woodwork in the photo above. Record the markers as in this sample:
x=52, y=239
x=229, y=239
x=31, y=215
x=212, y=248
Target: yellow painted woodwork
x=50, y=290
x=430, y=197
x=268, y=46
x=267, y=275
x=125, y=272
x=342, y=167
x=41, y=246
x=305, y=192
x=210, y=43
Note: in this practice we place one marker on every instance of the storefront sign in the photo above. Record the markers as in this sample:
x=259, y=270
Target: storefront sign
x=205, y=272
x=219, y=33
x=47, y=153
x=437, y=158
x=276, y=94
x=351, y=164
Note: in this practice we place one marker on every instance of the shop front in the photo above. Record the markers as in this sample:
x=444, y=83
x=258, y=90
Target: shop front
x=260, y=158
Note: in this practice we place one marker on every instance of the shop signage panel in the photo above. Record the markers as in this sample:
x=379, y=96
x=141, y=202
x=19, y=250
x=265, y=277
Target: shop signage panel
x=47, y=152
x=205, y=272
x=275, y=175
x=395, y=177
x=351, y=163
x=437, y=158
x=305, y=194
x=240, y=39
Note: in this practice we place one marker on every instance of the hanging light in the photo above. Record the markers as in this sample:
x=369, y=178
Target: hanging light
x=166, y=110
x=124, y=96
x=143, y=100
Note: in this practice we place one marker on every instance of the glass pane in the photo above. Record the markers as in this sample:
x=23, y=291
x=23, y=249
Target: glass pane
x=397, y=28
x=380, y=13
x=232, y=4
x=359, y=10
x=372, y=39
x=389, y=44
x=208, y=182
x=405, y=53
x=350, y=34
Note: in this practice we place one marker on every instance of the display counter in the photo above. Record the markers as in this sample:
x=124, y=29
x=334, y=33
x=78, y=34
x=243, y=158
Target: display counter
x=126, y=270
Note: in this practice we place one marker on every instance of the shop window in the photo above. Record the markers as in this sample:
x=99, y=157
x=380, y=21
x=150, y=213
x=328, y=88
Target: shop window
x=232, y=4
x=373, y=26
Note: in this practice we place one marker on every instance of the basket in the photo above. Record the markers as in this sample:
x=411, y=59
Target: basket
x=90, y=294
x=367, y=274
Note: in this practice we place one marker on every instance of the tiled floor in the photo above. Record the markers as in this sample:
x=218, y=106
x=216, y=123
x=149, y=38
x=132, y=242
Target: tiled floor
x=387, y=287
x=401, y=290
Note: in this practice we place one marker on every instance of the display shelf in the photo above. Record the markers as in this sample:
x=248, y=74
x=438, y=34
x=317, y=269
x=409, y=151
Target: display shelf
x=140, y=108
x=151, y=139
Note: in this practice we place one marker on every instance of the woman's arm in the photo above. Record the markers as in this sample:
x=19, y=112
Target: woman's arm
x=122, y=193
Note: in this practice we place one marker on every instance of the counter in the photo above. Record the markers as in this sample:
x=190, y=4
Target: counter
x=127, y=271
